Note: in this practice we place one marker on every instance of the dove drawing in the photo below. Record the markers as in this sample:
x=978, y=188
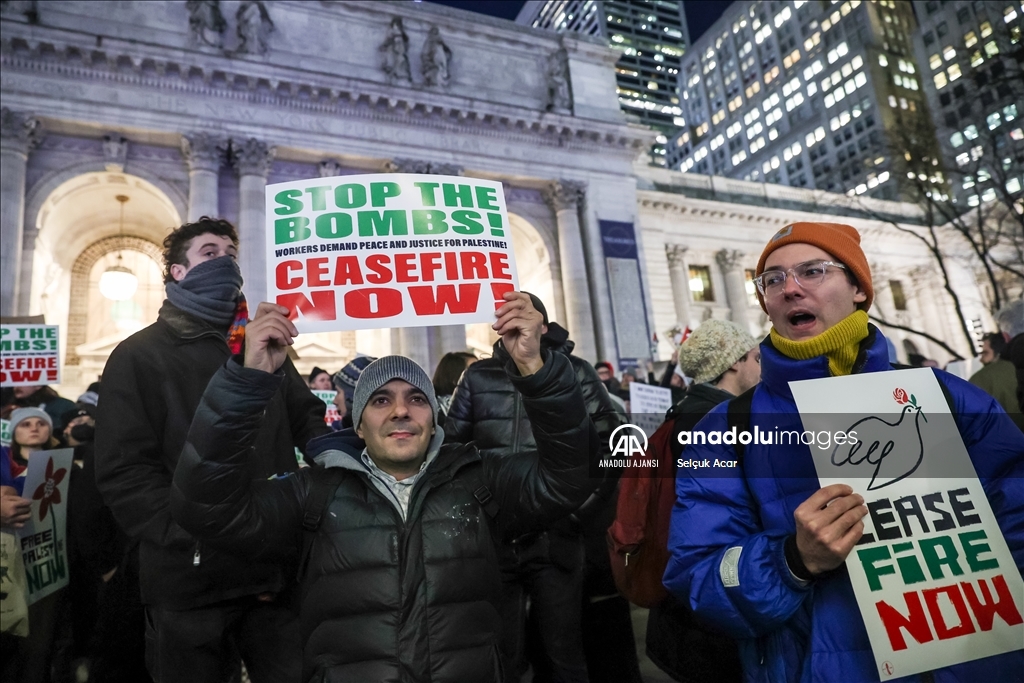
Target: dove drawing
x=892, y=451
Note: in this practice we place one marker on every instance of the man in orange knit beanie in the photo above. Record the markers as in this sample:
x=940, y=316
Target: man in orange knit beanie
x=760, y=555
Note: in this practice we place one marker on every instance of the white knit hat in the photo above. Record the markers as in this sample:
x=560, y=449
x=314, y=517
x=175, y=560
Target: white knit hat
x=713, y=348
x=20, y=414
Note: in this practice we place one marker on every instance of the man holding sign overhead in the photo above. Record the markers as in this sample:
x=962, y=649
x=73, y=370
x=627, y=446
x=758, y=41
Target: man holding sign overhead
x=804, y=575
x=400, y=576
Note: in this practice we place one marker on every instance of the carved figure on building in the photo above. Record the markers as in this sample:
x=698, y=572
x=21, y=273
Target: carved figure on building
x=115, y=151
x=395, y=51
x=20, y=131
x=435, y=59
x=557, y=73
x=27, y=8
x=254, y=27
x=206, y=23
x=421, y=167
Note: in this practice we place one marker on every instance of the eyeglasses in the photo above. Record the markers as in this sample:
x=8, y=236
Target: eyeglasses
x=807, y=274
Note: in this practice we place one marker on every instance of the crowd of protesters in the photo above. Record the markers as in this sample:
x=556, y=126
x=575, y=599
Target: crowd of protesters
x=453, y=528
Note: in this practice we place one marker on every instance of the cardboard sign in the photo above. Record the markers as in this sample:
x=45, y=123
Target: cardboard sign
x=44, y=536
x=390, y=250
x=934, y=578
x=648, y=405
x=5, y=432
x=29, y=355
x=332, y=415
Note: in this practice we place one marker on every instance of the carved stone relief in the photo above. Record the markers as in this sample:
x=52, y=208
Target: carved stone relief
x=206, y=24
x=395, y=54
x=435, y=60
x=254, y=27
x=115, y=151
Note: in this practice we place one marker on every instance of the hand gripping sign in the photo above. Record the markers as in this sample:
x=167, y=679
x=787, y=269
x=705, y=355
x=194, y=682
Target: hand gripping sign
x=934, y=578
x=389, y=250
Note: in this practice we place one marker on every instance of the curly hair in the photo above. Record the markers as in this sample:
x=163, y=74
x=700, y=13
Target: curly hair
x=177, y=243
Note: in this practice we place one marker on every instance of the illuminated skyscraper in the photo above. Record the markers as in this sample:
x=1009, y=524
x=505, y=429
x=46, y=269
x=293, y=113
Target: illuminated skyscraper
x=652, y=36
x=816, y=94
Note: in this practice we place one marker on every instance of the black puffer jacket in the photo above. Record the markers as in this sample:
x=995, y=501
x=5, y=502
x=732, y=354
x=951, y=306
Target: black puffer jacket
x=152, y=384
x=388, y=600
x=487, y=410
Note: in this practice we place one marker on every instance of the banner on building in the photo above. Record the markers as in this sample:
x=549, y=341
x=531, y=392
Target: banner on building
x=935, y=582
x=29, y=355
x=389, y=250
x=625, y=287
x=44, y=537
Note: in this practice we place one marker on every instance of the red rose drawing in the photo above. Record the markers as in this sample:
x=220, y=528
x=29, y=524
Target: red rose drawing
x=900, y=396
x=47, y=492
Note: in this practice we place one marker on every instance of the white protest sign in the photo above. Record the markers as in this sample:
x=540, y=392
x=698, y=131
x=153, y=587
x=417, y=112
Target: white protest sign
x=29, y=355
x=44, y=536
x=934, y=578
x=331, y=415
x=648, y=405
x=389, y=250
x=5, y=432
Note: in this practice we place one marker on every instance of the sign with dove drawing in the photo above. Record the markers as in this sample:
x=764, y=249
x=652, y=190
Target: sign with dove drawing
x=935, y=582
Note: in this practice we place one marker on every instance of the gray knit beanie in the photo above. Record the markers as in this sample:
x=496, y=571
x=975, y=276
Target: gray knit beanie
x=383, y=370
x=713, y=348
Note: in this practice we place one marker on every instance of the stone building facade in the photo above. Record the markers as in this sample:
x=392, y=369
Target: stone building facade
x=192, y=108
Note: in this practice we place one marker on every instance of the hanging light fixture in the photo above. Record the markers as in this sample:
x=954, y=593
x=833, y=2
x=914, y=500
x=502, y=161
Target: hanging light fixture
x=118, y=282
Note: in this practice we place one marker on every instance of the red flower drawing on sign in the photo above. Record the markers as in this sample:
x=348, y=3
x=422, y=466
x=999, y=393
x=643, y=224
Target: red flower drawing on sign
x=47, y=492
x=900, y=396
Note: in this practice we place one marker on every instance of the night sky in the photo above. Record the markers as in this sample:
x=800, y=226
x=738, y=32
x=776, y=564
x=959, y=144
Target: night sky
x=700, y=14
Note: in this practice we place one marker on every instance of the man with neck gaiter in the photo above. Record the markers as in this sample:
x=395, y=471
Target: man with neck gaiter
x=760, y=555
x=208, y=608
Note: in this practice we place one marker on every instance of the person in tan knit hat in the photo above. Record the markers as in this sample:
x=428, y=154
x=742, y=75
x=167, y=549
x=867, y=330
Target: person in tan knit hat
x=758, y=553
x=721, y=353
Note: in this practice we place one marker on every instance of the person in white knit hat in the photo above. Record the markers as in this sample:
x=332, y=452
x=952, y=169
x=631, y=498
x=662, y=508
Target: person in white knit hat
x=724, y=361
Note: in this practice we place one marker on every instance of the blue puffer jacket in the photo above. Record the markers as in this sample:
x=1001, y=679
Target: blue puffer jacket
x=790, y=632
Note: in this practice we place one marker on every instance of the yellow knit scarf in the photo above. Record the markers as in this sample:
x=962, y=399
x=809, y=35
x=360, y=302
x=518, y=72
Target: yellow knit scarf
x=840, y=343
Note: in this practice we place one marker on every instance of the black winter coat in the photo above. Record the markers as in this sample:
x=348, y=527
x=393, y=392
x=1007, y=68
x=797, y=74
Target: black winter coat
x=383, y=599
x=152, y=385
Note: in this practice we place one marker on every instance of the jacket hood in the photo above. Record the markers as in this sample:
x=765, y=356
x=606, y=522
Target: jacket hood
x=555, y=339
x=777, y=370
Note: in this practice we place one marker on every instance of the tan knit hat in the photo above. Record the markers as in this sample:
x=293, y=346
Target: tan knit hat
x=713, y=349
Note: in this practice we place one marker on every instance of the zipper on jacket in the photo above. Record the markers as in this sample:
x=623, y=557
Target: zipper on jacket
x=515, y=424
x=196, y=556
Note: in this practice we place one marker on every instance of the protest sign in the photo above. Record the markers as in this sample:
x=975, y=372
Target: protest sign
x=44, y=536
x=934, y=579
x=5, y=432
x=332, y=415
x=29, y=355
x=390, y=250
x=648, y=405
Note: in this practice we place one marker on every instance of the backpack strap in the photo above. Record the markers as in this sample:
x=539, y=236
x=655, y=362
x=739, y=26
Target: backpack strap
x=738, y=416
x=320, y=495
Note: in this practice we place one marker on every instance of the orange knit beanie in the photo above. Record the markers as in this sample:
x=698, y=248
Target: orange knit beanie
x=841, y=241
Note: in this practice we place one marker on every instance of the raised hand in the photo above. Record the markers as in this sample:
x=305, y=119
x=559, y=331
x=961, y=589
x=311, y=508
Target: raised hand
x=521, y=327
x=828, y=525
x=267, y=337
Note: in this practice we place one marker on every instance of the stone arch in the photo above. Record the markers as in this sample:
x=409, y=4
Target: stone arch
x=78, y=313
x=45, y=187
x=536, y=242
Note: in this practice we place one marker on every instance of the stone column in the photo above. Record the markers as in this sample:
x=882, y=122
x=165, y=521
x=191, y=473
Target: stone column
x=563, y=197
x=731, y=263
x=252, y=159
x=679, y=274
x=19, y=132
x=203, y=153
x=414, y=343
